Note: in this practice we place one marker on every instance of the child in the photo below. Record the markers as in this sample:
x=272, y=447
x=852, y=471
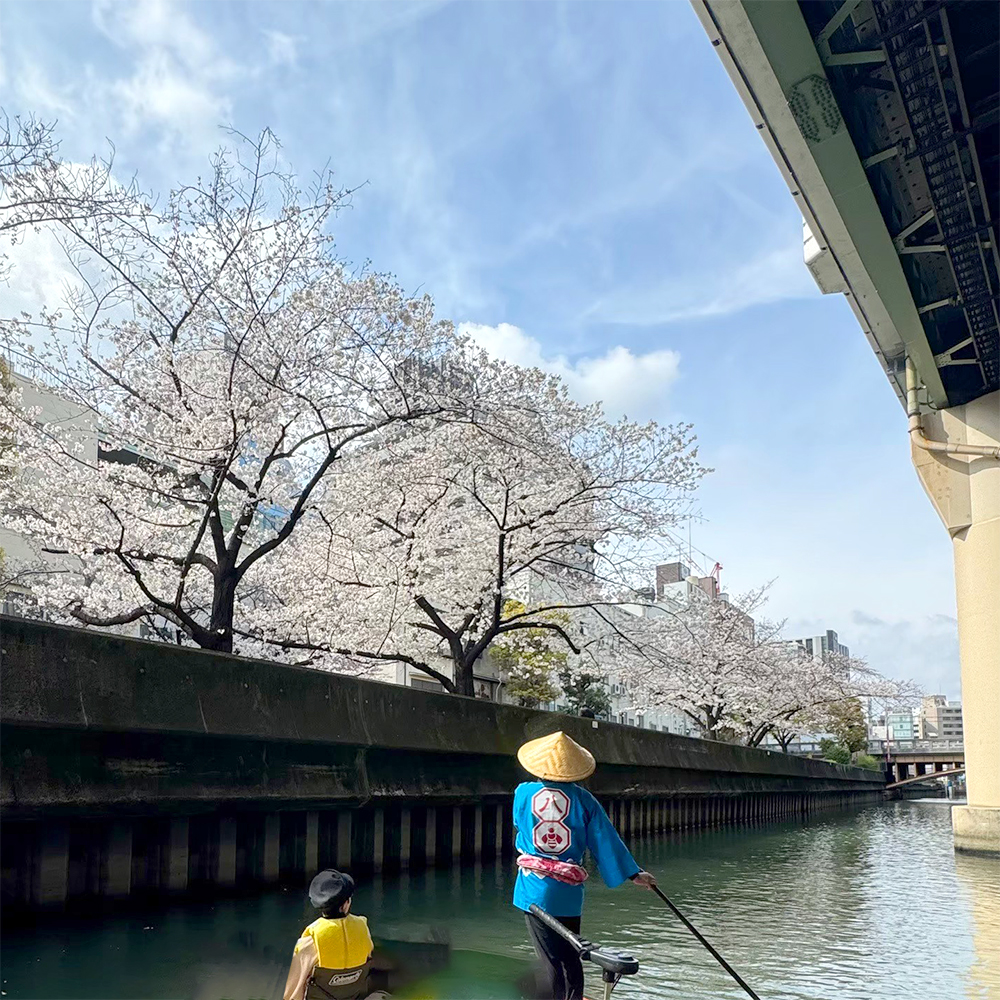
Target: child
x=333, y=955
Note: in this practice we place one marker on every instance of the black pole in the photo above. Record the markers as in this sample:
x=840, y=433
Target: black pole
x=694, y=930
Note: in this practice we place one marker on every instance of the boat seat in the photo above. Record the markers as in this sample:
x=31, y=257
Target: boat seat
x=338, y=984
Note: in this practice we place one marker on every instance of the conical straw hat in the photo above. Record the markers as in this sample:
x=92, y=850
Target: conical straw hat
x=556, y=757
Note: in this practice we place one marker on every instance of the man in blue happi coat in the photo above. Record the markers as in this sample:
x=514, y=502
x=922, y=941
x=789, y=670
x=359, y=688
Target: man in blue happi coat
x=556, y=821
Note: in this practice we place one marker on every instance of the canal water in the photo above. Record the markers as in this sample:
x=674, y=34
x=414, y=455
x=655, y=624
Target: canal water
x=852, y=906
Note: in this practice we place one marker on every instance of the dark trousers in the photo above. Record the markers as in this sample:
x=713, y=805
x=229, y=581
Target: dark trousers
x=562, y=966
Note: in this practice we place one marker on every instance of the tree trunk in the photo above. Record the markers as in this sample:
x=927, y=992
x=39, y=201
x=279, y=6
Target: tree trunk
x=464, y=681
x=219, y=636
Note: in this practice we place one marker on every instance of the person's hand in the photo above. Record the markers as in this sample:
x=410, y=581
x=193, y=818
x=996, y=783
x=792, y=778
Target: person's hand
x=644, y=880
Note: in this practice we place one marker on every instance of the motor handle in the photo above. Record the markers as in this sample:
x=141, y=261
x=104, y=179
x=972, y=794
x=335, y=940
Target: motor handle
x=617, y=963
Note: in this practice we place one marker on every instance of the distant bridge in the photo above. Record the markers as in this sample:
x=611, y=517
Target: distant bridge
x=904, y=759
x=925, y=777
x=923, y=759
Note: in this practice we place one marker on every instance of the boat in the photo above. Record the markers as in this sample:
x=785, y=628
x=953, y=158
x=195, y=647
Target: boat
x=409, y=963
x=425, y=967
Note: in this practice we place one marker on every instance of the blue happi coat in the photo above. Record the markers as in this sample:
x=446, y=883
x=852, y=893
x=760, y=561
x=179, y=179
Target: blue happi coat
x=559, y=820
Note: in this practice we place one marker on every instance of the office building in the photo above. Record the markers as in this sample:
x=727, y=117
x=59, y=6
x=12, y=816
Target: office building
x=818, y=646
x=940, y=718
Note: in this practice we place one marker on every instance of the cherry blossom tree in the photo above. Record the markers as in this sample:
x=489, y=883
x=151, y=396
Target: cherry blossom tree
x=38, y=188
x=275, y=456
x=728, y=669
x=222, y=363
x=542, y=501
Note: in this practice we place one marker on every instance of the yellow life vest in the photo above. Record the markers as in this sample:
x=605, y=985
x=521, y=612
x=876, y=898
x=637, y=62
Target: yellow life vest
x=344, y=943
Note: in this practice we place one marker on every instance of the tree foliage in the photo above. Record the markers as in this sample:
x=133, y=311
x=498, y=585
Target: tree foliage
x=585, y=690
x=228, y=363
x=845, y=721
x=297, y=460
x=728, y=668
x=834, y=752
x=527, y=660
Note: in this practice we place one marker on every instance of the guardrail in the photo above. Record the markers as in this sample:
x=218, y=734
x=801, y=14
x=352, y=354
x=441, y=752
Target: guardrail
x=914, y=746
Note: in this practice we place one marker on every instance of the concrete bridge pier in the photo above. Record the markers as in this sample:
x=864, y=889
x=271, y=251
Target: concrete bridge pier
x=965, y=491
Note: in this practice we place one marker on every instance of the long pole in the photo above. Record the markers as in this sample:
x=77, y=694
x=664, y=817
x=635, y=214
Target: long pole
x=694, y=930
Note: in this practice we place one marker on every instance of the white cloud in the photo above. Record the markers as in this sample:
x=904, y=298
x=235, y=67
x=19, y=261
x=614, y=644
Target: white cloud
x=769, y=276
x=41, y=274
x=923, y=648
x=282, y=49
x=626, y=383
x=178, y=78
x=40, y=95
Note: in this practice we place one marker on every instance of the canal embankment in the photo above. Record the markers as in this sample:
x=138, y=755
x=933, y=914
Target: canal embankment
x=131, y=767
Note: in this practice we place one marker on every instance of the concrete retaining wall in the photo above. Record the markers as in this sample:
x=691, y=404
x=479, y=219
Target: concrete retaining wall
x=129, y=765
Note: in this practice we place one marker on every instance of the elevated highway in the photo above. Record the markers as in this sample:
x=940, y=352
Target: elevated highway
x=882, y=116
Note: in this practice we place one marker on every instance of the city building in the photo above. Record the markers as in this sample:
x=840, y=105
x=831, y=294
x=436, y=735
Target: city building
x=674, y=584
x=901, y=726
x=818, y=646
x=940, y=718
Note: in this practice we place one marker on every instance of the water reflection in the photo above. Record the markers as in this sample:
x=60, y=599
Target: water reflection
x=979, y=884
x=852, y=907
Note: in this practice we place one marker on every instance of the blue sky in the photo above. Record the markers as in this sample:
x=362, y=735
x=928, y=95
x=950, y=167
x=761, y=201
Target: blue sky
x=580, y=184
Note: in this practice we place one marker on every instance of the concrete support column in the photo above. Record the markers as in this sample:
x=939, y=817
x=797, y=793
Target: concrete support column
x=378, y=840
x=404, y=838
x=312, y=843
x=272, y=848
x=965, y=491
x=118, y=861
x=344, y=838
x=430, y=841
x=175, y=873
x=51, y=875
x=225, y=869
x=498, y=847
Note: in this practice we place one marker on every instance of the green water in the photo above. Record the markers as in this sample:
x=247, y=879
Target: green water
x=856, y=906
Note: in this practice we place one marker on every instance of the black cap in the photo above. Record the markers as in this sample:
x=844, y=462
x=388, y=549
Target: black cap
x=330, y=889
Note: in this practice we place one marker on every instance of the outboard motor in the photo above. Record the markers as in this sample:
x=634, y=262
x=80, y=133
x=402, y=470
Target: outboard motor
x=612, y=963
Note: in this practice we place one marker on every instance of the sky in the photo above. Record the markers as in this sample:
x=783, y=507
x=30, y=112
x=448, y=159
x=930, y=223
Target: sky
x=579, y=187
